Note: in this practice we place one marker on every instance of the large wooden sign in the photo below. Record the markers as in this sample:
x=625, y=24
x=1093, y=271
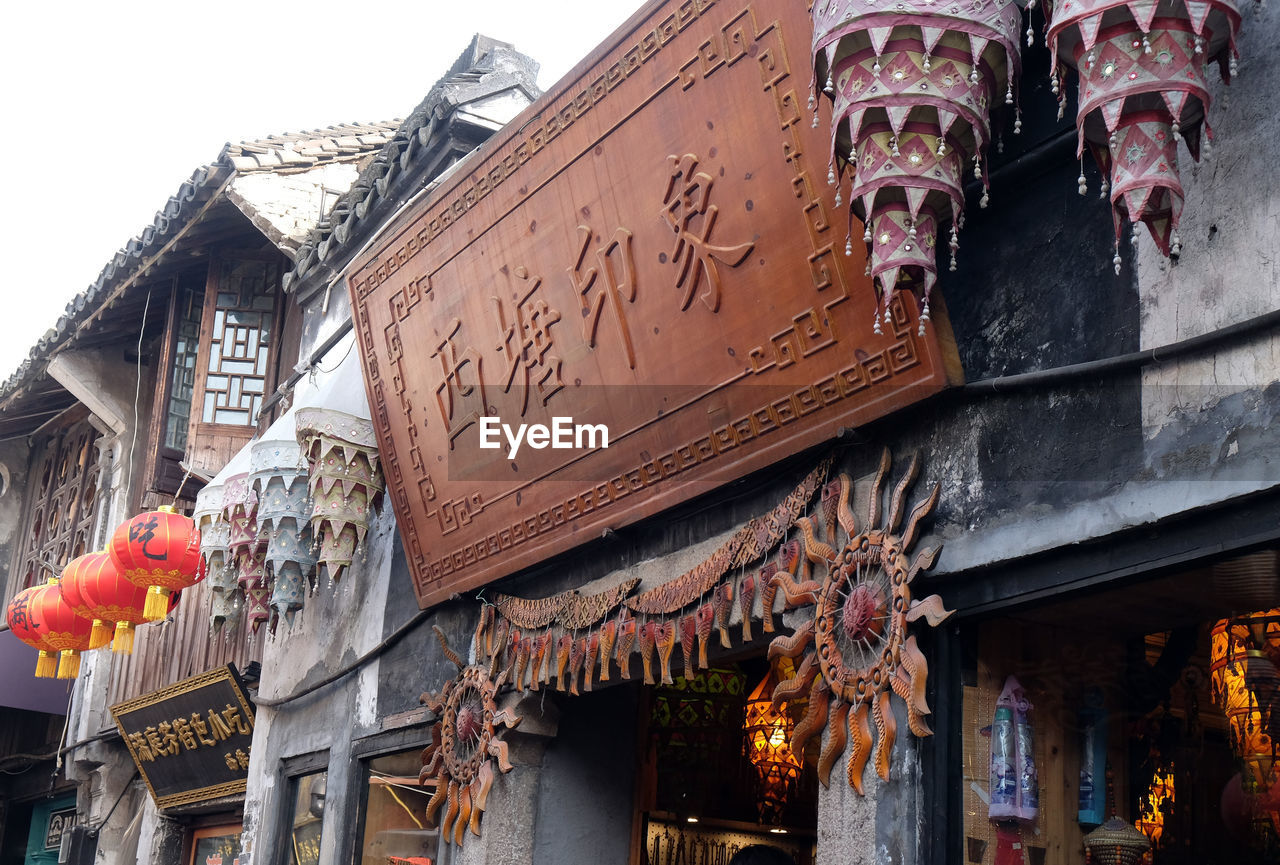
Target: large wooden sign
x=652, y=249
x=190, y=741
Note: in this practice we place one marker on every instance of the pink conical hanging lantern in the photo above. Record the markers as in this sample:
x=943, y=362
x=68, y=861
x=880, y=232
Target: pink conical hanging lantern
x=912, y=85
x=1143, y=87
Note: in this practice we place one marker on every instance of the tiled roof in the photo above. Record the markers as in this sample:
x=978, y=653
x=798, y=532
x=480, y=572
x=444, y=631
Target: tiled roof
x=304, y=150
x=278, y=153
x=486, y=67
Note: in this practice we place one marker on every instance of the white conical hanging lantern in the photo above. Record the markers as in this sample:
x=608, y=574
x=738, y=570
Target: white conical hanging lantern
x=279, y=480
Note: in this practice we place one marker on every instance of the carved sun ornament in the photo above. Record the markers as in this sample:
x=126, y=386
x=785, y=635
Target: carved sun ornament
x=464, y=746
x=855, y=648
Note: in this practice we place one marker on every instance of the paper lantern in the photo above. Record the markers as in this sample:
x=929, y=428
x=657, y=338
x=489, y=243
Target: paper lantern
x=66, y=633
x=1143, y=87
x=73, y=577
x=160, y=551
x=107, y=598
x=25, y=624
x=345, y=482
x=1246, y=685
x=912, y=85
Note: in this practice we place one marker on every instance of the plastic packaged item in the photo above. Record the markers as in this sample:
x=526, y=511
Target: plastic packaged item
x=1014, y=785
x=1003, y=786
x=1093, y=760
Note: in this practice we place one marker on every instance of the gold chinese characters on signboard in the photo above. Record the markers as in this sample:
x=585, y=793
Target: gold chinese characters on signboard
x=191, y=740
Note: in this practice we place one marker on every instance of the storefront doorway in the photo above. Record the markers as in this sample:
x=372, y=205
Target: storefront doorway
x=1152, y=702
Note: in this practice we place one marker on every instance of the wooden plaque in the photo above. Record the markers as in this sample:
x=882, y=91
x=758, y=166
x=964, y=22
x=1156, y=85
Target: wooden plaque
x=190, y=740
x=653, y=246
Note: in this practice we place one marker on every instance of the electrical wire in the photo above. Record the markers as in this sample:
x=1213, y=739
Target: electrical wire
x=137, y=381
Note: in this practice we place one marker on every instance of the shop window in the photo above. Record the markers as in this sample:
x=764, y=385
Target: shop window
x=306, y=804
x=720, y=775
x=236, y=365
x=393, y=828
x=63, y=503
x=175, y=390
x=1161, y=712
x=215, y=845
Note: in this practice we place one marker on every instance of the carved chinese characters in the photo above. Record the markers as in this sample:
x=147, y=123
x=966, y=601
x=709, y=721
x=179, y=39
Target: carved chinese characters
x=631, y=258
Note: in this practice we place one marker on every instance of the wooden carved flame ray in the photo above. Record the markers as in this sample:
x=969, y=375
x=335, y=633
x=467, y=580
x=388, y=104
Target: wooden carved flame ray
x=855, y=649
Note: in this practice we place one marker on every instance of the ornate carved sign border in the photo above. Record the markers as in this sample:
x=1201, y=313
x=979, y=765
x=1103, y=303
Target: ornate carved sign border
x=190, y=740
x=651, y=248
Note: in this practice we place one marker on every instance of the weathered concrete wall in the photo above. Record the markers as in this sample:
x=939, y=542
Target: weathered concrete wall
x=584, y=802
x=339, y=623
x=1212, y=408
x=15, y=456
x=285, y=207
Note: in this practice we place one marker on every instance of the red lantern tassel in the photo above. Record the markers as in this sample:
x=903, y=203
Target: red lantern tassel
x=69, y=664
x=100, y=635
x=157, y=606
x=47, y=665
x=123, y=643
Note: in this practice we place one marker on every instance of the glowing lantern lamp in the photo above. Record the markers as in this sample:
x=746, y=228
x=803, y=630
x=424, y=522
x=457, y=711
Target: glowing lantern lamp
x=1156, y=805
x=160, y=551
x=25, y=624
x=769, y=729
x=66, y=633
x=1143, y=88
x=1245, y=684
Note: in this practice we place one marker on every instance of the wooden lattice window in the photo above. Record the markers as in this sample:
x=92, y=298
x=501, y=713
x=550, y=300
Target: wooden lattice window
x=186, y=350
x=236, y=365
x=62, y=500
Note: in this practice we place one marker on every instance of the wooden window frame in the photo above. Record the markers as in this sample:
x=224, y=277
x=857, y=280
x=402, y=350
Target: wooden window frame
x=45, y=500
x=210, y=445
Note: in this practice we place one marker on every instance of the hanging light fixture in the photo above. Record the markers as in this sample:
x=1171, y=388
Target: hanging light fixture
x=160, y=551
x=247, y=548
x=215, y=540
x=24, y=621
x=66, y=633
x=1242, y=670
x=279, y=480
x=1143, y=87
x=1156, y=805
x=912, y=87
x=345, y=482
x=768, y=728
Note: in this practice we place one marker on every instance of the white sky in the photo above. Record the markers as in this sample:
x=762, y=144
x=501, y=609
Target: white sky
x=106, y=108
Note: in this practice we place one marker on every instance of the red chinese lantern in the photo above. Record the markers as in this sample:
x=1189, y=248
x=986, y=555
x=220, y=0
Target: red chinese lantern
x=65, y=632
x=107, y=598
x=74, y=577
x=160, y=551
x=25, y=625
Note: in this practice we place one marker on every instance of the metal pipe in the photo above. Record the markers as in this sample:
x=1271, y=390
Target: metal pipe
x=1122, y=362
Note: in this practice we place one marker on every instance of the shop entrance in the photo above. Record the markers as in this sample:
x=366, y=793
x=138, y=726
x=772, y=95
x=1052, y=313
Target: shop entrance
x=718, y=773
x=1156, y=703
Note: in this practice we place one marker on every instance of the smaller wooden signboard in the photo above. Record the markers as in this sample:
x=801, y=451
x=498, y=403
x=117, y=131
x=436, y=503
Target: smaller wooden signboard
x=60, y=822
x=190, y=741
